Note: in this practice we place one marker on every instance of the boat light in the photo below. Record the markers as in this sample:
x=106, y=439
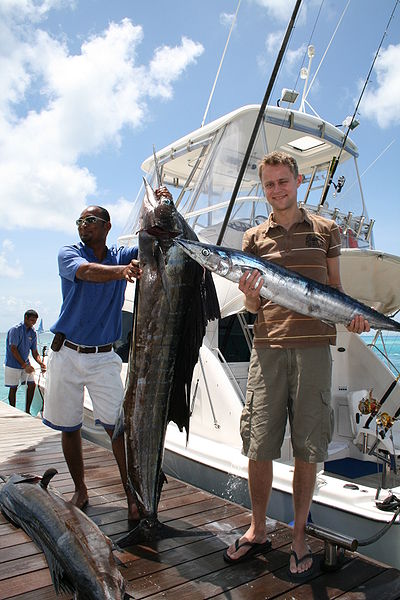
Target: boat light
x=350, y=123
x=289, y=96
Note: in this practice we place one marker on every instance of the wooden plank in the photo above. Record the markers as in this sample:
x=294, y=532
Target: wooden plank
x=386, y=586
x=187, y=565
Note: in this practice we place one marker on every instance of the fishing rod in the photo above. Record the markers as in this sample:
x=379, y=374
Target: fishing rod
x=382, y=401
x=258, y=121
x=335, y=161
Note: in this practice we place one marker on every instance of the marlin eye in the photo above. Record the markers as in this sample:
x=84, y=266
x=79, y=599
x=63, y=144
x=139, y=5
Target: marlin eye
x=205, y=252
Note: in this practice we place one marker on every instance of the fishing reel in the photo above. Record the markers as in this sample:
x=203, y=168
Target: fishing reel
x=339, y=185
x=385, y=420
x=369, y=406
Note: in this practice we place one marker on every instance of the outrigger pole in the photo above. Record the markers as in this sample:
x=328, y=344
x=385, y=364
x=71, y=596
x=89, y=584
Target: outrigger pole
x=258, y=121
x=335, y=161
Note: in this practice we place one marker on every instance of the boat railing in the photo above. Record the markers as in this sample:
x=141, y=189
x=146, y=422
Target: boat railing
x=230, y=372
x=383, y=351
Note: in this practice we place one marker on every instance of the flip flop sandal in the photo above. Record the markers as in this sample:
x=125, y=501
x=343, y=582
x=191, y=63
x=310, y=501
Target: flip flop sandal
x=304, y=575
x=253, y=550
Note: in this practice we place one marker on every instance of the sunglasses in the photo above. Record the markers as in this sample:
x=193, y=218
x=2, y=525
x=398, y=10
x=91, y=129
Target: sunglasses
x=89, y=221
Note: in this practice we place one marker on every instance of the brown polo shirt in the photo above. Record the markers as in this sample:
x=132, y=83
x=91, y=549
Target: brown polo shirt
x=303, y=248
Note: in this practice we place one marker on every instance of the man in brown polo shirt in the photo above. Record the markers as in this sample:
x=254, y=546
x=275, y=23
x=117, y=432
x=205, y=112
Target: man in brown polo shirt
x=290, y=366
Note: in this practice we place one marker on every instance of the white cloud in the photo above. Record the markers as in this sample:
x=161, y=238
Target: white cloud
x=273, y=42
x=168, y=64
x=13, y=309
x=77, y=104
x=281, y=10
x=119, y=211
x=31, y=9
x=7, y=269
x=226, y=19
x=8, y=245
x=381, y=100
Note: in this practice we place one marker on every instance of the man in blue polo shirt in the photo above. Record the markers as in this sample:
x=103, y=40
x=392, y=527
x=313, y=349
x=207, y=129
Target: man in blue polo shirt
x=93, y=282
x=21, y=340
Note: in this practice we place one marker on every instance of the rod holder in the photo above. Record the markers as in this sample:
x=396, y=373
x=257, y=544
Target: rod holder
x=335, y=545
x=347, y=222
x=369, y=230
x=360, y=226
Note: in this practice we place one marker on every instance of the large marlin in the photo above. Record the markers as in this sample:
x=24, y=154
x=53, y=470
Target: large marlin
x=174, y=300
x=79, y=555
x=285, y=287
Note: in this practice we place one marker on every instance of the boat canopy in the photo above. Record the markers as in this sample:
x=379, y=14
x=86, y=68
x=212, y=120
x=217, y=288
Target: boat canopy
x=302, y=135
x=201, y=170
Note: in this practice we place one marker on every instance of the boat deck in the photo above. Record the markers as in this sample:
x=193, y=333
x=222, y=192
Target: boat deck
x=188, y=566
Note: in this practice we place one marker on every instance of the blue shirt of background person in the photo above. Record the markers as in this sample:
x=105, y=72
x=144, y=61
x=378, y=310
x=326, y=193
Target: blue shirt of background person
x=91, y=312
x=25, y=339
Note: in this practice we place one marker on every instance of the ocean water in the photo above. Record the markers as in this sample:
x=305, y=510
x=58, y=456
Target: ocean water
x=44, y=339
x=391, y=342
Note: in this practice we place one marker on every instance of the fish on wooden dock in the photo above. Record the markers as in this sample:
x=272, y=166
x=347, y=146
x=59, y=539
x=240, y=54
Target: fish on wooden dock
x=287, y=288
x=79, y=555
x=174, y=300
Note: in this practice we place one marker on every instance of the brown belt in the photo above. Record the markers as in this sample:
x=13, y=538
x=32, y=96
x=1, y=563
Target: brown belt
x=88, y=349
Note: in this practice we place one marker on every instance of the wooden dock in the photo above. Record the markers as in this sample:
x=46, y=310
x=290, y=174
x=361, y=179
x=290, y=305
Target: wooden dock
x=185, y=567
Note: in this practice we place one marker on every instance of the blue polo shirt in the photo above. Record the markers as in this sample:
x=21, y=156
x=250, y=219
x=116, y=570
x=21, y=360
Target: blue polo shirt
x=25, y=339
x=91, y=312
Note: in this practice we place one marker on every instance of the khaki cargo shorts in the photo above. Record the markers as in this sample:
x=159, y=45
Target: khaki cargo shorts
x=282, y=382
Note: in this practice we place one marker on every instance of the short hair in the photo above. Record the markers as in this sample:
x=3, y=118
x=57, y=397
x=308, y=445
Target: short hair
x=104, y=212
x=31, y=313
x=279, y=158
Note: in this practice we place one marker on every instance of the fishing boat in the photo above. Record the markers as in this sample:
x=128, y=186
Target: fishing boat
x=201, y=171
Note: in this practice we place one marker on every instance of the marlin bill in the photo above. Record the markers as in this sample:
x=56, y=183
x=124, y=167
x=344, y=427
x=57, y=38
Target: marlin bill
x=79, y=555
x=287, y=288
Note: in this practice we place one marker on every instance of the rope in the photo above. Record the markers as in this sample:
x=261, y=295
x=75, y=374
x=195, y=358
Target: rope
x=381, y=532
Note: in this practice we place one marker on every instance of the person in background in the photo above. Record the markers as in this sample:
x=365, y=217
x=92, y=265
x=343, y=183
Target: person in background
x=20, y=341
x=290, y=365
x=93, y=282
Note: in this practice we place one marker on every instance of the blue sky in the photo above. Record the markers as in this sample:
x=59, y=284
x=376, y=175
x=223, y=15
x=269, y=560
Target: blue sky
x=88, y=86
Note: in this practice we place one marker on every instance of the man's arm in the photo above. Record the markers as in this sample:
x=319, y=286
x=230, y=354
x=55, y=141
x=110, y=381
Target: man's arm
x=24, y=364
x=358, y=324
x=103, y=273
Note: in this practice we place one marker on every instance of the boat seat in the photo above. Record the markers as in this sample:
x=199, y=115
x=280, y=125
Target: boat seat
x=364, y=437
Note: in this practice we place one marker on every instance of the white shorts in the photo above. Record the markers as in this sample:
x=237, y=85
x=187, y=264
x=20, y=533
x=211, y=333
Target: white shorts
x=15, y=377
x=68, y=373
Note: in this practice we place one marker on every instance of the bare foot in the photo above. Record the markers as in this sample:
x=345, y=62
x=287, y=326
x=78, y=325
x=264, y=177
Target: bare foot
x=80, y=499
x=304, y=564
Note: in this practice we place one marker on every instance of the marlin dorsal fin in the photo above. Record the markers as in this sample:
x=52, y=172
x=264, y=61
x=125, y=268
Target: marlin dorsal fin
x=47, y=477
